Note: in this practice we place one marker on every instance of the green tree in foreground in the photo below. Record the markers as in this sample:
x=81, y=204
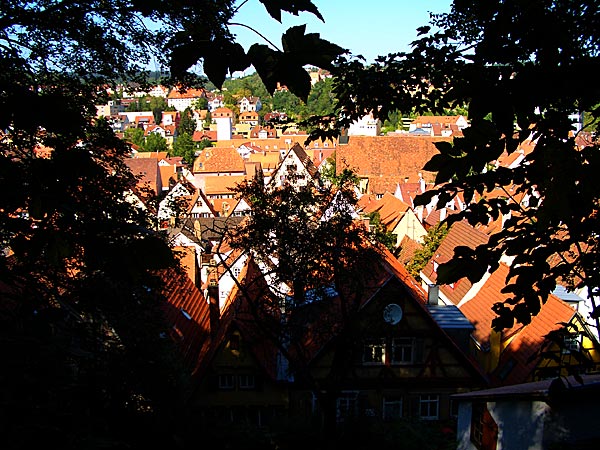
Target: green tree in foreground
x=311, y=234
x=521, y=69
x=84, y=364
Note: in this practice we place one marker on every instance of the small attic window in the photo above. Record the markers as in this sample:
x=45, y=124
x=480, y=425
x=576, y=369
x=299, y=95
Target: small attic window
x=234, y=341
x=186, y=314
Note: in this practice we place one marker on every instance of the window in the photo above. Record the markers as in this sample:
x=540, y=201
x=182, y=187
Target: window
x=403, y=350
x=234, y=341
x=346, y=405
x=477, y=424
x=374, y=351
x=226, y=382
x=572, y=343
x=236, y=271
x=392, y=408
x=429, y=406
x=247, y=381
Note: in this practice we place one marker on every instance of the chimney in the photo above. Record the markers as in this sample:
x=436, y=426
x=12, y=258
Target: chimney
x=213, y=303
x=442, y=214
x=433, y=294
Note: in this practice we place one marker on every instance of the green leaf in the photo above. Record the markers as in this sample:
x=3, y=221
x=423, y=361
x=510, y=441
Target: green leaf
x=310, y=48
x=220, y=56
x=274, y=8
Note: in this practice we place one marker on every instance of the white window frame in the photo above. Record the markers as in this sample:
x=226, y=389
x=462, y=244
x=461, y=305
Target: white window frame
x=429, y=401
x=403, y=344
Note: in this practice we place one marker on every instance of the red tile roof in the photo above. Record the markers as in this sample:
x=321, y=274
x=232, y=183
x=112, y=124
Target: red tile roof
x=479, y=309
x=520, y=353
x=146, y=169
x=219, y=160
x=387, y=160
x=460, y=234
x=187, y=312
x=391, y=210
x=188, y=93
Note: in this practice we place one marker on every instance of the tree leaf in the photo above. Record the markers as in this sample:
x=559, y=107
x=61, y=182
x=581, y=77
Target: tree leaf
x=310, y=48
x=274, y=8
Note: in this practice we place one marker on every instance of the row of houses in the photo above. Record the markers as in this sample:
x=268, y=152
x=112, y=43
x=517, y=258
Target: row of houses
x=421, y=344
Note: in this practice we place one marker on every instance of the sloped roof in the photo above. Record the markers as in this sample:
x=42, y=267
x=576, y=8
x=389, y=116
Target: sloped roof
x=187, y=312
x=188, y=93
x=221, y=185
x=211, y=135
x=387, y=160
x=390, y=209
x=479, y=309
x=147, y=171
x=437, y=119
x=219, y=159
x=520, y=353
x=407, y=249
x=269, y=160
x=460, y=234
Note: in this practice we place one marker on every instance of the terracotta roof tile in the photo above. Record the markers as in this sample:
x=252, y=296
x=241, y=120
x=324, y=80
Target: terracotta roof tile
x=146, y=169
x=407, y=249
x=460, y=234
x=187, y=312
x=387, y=160
x=188, y=93
x=521, y=351
x=479, y=309
x=390, y=209
x=221, y=185
x=219, y=160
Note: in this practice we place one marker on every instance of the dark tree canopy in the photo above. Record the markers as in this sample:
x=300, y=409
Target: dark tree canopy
x=84, y=364
x=521, y=68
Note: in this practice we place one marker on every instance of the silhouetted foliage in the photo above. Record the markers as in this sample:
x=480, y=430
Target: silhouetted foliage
x=521, y=69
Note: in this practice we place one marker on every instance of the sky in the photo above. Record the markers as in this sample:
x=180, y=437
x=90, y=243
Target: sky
x=365, y=27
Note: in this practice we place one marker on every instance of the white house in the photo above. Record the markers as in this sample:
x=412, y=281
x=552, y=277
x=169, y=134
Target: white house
x=366, y=126
x=557, y=413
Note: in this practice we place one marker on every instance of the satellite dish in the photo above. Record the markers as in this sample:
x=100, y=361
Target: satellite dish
x=392, y=313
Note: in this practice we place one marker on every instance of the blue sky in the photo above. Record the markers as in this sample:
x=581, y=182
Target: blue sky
x=368, y=28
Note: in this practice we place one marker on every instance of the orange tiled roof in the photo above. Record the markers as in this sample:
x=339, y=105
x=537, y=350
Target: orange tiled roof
x=187, y=312
x=406, y=250
x=436, y=119
x=391, y=210
x=219, y=160
x=211, y=135
x=479, y=309
x=460, y=234
x=147, y=171
x=221, y=185
x=524, y=346
x=268, y=160
x=151, y=155
x=387, y=160
x=189, y=93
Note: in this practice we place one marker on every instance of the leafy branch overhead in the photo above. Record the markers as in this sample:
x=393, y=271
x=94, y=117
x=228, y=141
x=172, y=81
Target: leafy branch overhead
x=221, y=56
x=287, y=66
x=274, y=7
